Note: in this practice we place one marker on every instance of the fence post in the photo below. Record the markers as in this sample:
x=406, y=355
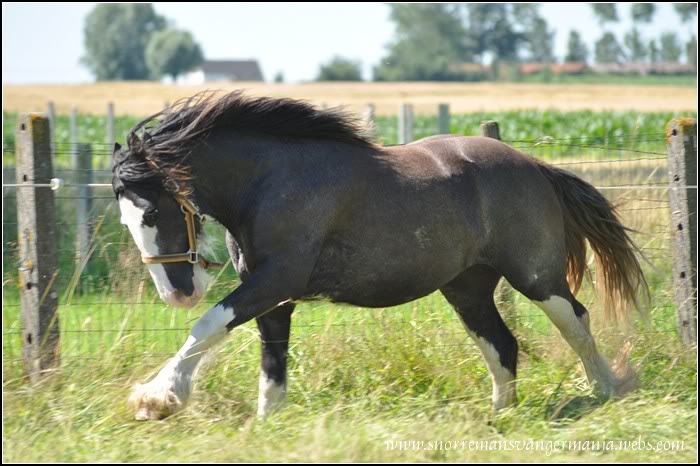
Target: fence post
x=405, y=124
x=52, y=130
x=73, y=137
x=444, y=119
x=84, y=205
x=37, y=246
x=682, y=163
x=110, y=135
x=489, y=129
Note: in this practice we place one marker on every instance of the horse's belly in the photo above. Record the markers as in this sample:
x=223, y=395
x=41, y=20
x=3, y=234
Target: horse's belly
x=375, y=277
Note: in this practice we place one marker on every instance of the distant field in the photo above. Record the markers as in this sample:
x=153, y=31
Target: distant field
x=141, y=98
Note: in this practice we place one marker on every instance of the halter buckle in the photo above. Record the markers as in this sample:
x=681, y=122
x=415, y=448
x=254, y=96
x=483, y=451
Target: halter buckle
x=193, y=257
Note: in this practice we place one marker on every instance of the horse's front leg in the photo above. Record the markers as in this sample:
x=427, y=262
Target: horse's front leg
x=169, y=391
x=274, y=337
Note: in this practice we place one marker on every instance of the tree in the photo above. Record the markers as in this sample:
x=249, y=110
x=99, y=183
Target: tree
x=670, y=48
x=279, y=77
x=608, y=50
x=171, y=52
x=429, y=38
x=115, y=38
x=686, y=11
x=605, y=12
x=636, y=50
x=691, y=51
x=654, y=53
x=340, y=69
x=490, y=29
x=540, y=42
x=576, y=48
x=642, y=12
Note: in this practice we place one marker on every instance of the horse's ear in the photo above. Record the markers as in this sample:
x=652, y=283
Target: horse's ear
x=117, y=148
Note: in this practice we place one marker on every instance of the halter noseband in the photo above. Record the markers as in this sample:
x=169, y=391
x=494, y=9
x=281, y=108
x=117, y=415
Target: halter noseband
x=192, y=256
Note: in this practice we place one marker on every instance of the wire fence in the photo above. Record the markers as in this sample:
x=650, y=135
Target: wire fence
x=108, y=302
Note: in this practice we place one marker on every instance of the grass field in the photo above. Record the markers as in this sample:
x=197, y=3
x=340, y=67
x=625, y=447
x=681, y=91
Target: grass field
x=143, y=98
x=360, y=378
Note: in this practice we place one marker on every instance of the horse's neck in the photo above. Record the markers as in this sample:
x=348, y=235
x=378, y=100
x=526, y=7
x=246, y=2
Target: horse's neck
x=228, y=171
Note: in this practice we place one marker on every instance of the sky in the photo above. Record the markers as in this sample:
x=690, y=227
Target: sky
x=43, y=42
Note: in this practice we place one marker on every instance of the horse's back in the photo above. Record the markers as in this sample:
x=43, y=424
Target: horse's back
x=505, y=190
x=433, y=209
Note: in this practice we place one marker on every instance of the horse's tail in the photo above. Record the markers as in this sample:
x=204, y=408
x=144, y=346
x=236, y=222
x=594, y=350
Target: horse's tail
x=588, y=215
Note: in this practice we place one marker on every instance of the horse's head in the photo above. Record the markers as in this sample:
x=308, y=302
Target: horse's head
x=158, y=223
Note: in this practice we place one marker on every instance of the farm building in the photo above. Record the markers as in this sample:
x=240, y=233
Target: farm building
x=224, y=70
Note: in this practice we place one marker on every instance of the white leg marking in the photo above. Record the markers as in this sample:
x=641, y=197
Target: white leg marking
x=577, y=333
x=502, y=378
x=270, y=396
x=169, y=391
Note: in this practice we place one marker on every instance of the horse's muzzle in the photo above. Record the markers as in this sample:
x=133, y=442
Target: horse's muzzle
x=179, y=299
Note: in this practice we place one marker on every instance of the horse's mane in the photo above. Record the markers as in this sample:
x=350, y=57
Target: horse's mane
x=162, y=142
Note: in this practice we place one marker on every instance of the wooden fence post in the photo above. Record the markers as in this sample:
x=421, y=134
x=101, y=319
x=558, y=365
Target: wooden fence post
x=489, y=129
x=37, y=246
x=406, y=124
x=682, y=164
x=52, y=130
x=444, y=119
x=110, y=136
x=83, y=169
x=73, y=137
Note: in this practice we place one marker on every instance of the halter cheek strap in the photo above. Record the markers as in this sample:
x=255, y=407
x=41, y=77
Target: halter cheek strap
x=192, y=256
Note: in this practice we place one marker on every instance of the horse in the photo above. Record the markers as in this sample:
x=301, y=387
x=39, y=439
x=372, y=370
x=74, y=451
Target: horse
x=314, y=209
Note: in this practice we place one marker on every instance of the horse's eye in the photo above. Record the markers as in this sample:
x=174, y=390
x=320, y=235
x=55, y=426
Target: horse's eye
x=150, y=216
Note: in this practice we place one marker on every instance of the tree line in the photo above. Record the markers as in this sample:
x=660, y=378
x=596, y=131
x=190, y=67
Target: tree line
x=133, y=42
x=431, y=39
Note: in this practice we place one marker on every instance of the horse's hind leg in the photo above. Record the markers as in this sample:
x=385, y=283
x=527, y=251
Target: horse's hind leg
x=571, y=318
x=274, y=337
x=471, y=294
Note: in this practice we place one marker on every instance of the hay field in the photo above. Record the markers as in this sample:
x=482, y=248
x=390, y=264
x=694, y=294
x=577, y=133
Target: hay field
x=141, y=98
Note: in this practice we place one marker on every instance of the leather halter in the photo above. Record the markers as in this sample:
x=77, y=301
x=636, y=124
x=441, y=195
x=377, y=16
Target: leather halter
x=192, y=256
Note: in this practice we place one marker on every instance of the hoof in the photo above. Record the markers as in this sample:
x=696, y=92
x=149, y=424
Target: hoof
x=626, y=378
x=154, y=401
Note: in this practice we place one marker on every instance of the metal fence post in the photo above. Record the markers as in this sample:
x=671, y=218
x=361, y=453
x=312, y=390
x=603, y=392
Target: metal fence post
x=682, y=146
x=406, y=124
x=37, y=246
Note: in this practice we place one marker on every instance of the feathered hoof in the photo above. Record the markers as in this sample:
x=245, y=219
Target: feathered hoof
x=154, y=401
x=625, y=375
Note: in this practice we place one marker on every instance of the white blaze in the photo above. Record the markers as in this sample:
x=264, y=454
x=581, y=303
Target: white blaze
x=145, y=239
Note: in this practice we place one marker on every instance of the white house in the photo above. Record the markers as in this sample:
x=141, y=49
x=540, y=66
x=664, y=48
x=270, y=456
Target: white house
x=223, y=70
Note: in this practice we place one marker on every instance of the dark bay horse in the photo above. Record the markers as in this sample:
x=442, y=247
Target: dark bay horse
x=314, y=209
